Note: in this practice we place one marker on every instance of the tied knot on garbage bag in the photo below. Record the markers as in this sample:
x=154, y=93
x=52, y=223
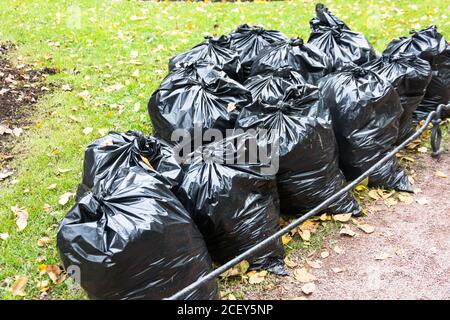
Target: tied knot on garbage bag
x=430, y=45
x=337, y=41
x=306, y=59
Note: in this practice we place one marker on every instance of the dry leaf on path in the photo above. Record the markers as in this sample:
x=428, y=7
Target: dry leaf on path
x=308, y=288
x=347, y=232
x=289, y=263
x=337, y=270
x=342, y=217
x=19, y=285
x=324, y=254
x=367, y=228
x=303, y=275
x=316, y=264
x=257, y=277
x=338, y=250
x=440, y=174
x=382, y=256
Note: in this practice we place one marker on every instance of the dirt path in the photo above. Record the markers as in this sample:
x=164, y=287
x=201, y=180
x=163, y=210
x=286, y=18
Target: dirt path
x=417, y=236
x=413, y=241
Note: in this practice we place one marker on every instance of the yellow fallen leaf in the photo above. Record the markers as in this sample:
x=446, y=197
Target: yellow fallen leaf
x=289, y=263
x=390, y=202
x=440, y=174
x=308, y=288
x=374, y=194
x=406, y=198
x=21, y=217
x=342, y=217
x=325, y=217
x=347, y=232
x=360, y=188
x=302, y=275
x=231, y=106
x=65, y=198
x=367, y=228
x=316, y=264
x=337, y=270
x=305, y=235
x=286, y=238
x=87, y=130
x=257, y=277
x=338, y=250
x=44, y=241
x=19, y=285
x=382, y=256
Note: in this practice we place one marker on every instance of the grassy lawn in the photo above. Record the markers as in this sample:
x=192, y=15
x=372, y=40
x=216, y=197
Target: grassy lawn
x=113, y=55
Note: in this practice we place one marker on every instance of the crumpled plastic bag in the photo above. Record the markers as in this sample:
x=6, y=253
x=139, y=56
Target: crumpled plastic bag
x=234, y=203
x=366, y=111
x=197, y=95
x=249, y=41
x=105, y=156
x=309, y=168
x=337, y=41
x=215, y=50
x=130, y=238
x=410, y=76
x=271, y=86
x=305, y=58
x=429, y=45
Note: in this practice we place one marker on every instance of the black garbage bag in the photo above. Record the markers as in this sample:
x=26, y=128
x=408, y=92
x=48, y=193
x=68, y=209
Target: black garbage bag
x=309, y=165
x=326, y=19
x=337, y=41
x=271, y=86
x=410, y=76
x=429, y=45
x=130, y=238
x=215, y=50
x=233, y=202
x=306, y=59
x=250, y=41
x=197, y=95
x=105, y=156
x=366, y=111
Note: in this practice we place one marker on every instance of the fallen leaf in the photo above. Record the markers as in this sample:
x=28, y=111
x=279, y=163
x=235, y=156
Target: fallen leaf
x=423, y=149
x=4, y=236
x=367, y=228
x=87, y=131
x=338, y=270
x=53, y=272
x=305, y=235
x=65, y=198
x=440, y=174
x=342, y=217
x=257, y=277
x=66, y=87
x=286, y=238
x=231, y=106
x=52, y=186
x=4, y=175
x=231, y=297
x=338, y=250
x=433, y=250
x=422, y=201
x=63, y=170
x=382, y=256
x=390, y=202
x=303, y=275
x=17, y=131
x=40, y=259
x=21, y=217
x=316, y=264
x=42, y=285
x=18, y=288
x=406, y=198
x=43, y=242
x=361, y=187
x=374, y=194
x=308, y=288
x=347, y=232
x=114, y=87
x=84, y=95
x=289, y=263
x=324, y=254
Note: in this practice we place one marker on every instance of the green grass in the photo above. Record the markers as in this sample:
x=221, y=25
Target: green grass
x=99, y=49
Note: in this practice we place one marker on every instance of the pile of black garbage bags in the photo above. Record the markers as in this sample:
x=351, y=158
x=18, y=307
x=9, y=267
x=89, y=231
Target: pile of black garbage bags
x=154, y=214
